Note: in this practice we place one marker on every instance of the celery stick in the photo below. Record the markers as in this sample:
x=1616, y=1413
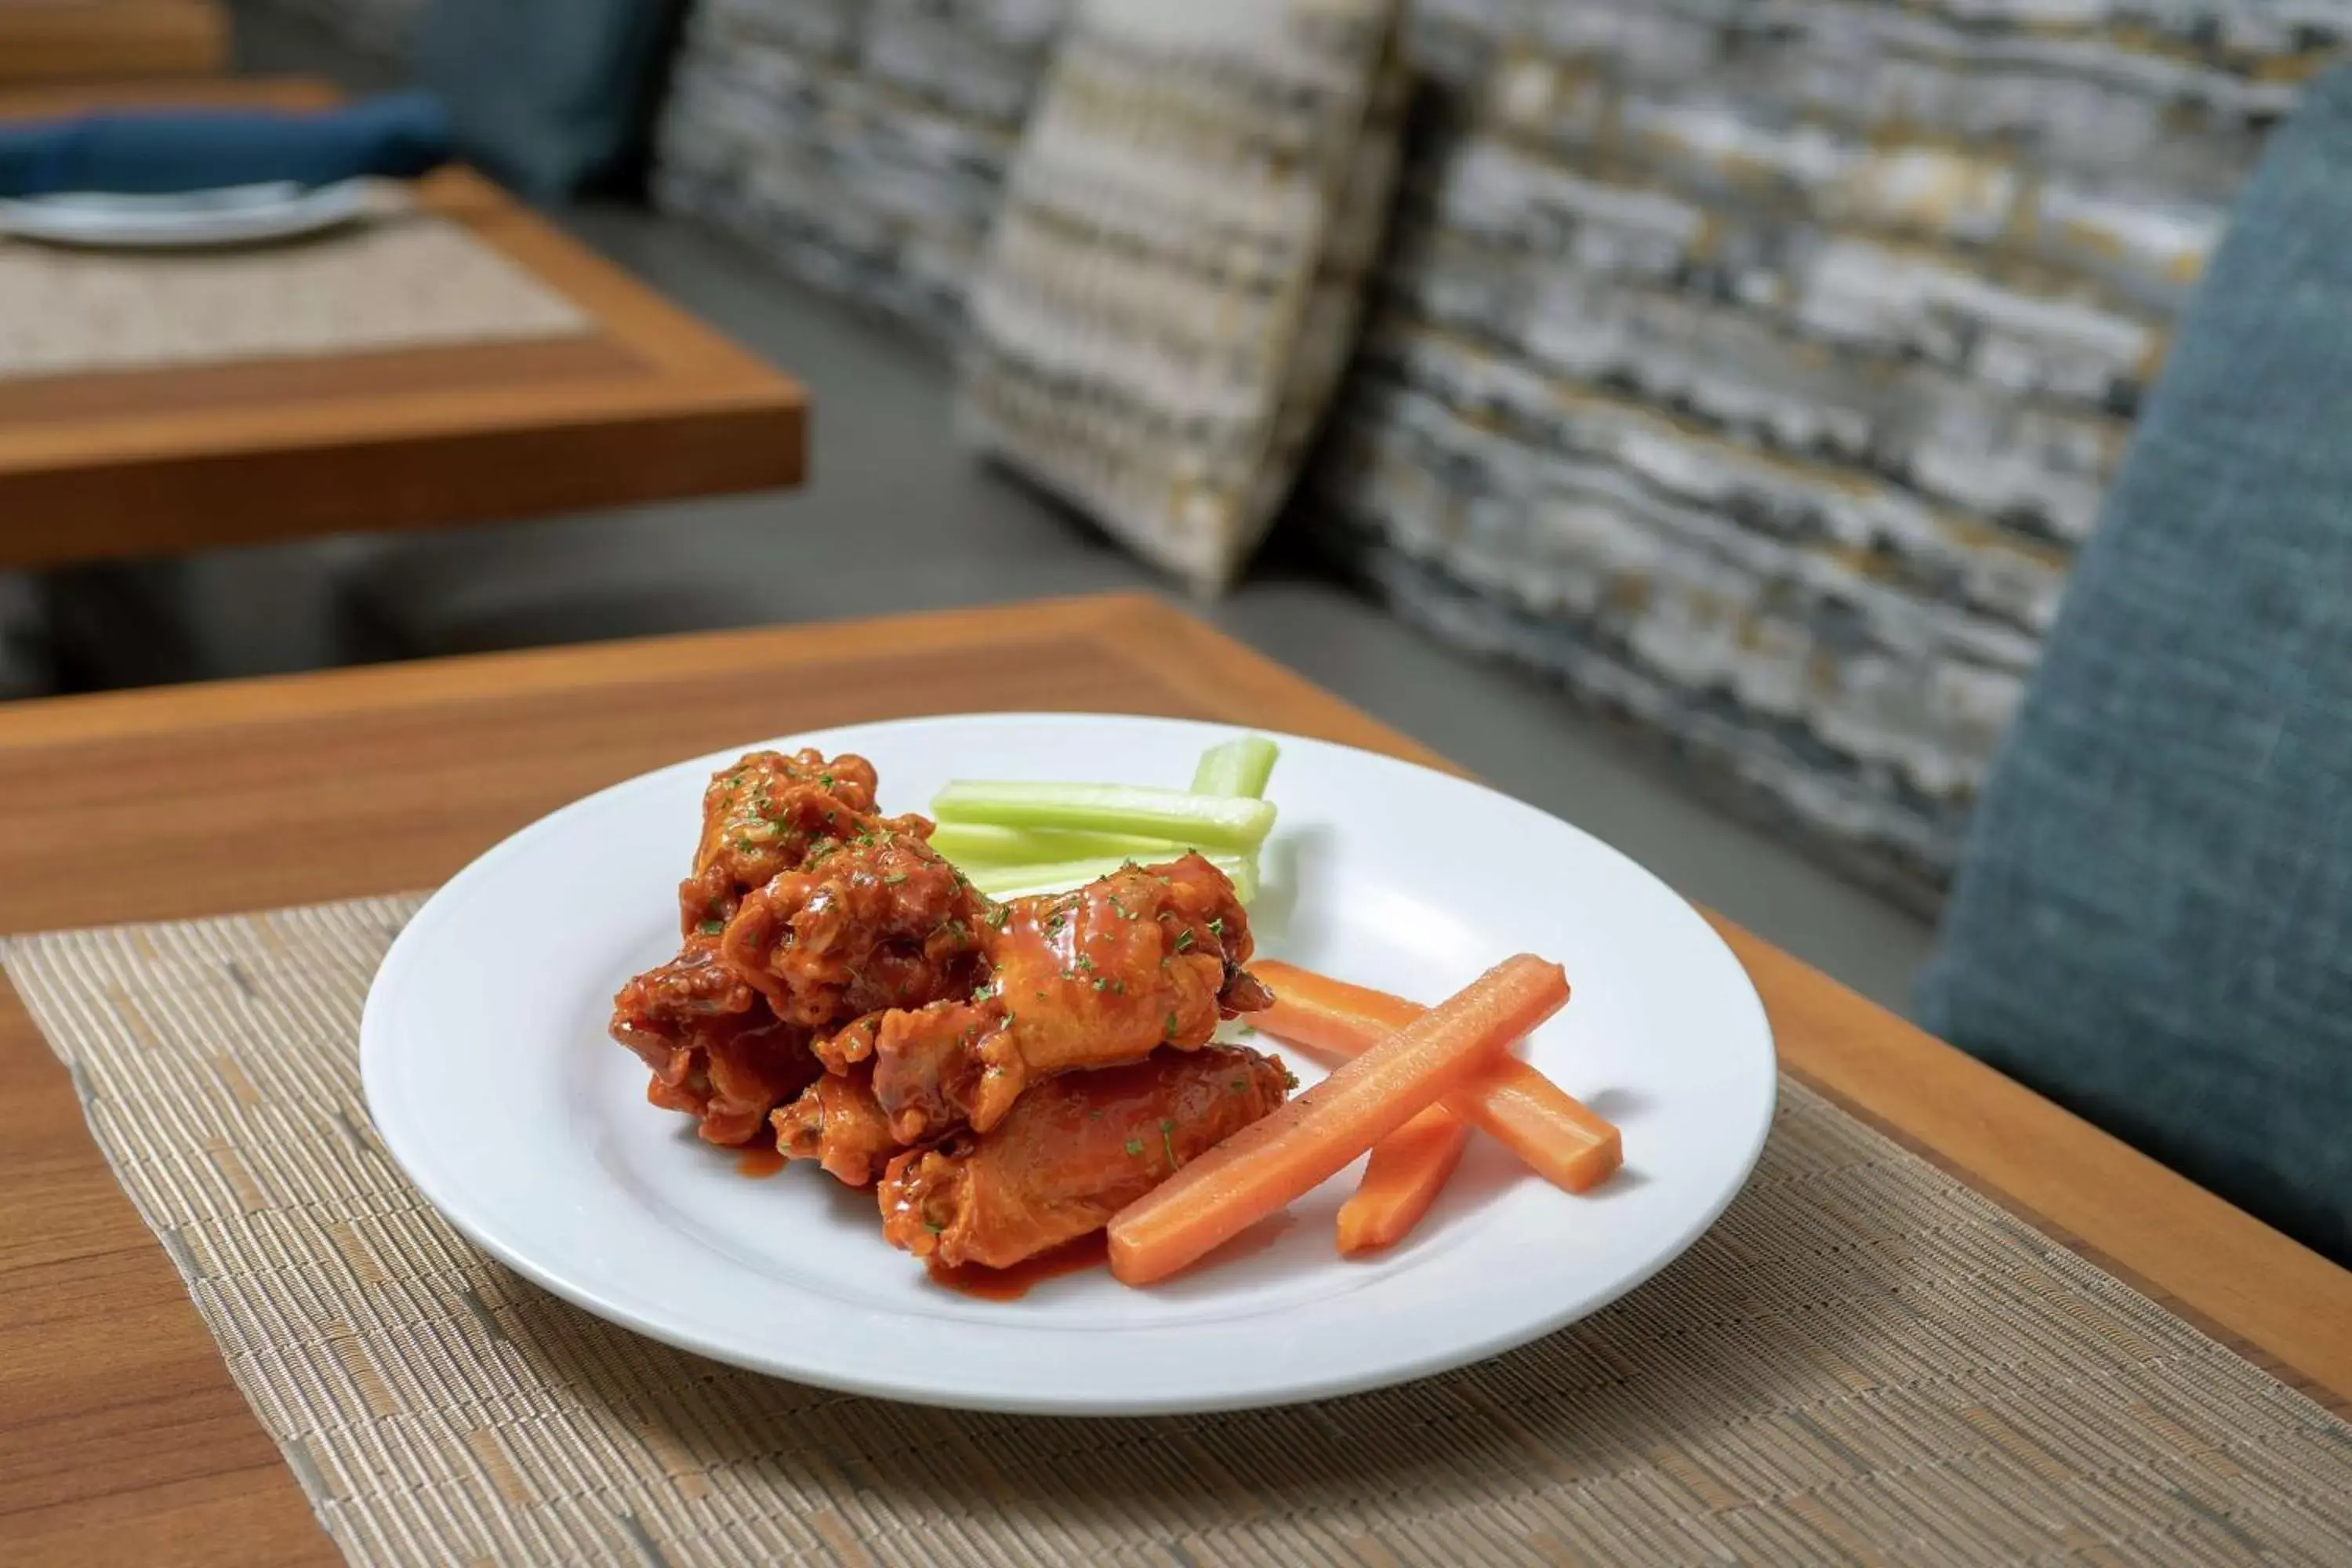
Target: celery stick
x=1022, y=881
x=1212, y=822
x=970, y=844
x=1239, y=767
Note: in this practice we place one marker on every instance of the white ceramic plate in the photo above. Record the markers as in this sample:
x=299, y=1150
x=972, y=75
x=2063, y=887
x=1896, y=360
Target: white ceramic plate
x=243, y=214
x=490, y=1078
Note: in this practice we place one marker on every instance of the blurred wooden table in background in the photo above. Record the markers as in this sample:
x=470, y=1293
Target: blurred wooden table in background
x=627, y=399
x=114, y=40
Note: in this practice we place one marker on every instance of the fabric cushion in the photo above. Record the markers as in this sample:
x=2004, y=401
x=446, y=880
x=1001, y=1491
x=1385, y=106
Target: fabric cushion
x=2153, y=923
x=1173, y=286
x=546, y=94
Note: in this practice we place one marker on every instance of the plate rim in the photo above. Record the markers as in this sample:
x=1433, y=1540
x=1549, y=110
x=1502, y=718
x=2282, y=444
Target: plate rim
x=306, y=210
x=1453, y=1356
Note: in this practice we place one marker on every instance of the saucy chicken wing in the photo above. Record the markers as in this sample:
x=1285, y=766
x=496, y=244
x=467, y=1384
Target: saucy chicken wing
x=769, y=813
x=877, y=922
x=1071, y=1153
x=1146, y=957
x=717, y=1051
x=836, y=1123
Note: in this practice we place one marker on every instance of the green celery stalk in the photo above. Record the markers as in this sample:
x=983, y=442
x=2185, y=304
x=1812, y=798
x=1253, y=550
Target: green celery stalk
x=1023, y=881
x=1239, y=767
x=1211, y=822
x=970, y=844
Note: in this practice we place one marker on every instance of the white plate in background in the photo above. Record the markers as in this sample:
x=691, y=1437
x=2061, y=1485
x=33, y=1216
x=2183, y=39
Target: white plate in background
x=242, y=215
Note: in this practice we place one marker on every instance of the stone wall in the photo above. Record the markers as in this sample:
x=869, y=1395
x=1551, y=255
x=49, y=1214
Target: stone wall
x=1753, y=366
x=1757, y=368
x=861, y=143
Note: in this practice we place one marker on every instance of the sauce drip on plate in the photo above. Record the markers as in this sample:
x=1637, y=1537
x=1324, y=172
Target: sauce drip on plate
x=759, y=1161
x=1090, y=1251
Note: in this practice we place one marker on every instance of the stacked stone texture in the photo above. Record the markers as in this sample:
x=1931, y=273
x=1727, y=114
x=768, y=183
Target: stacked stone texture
x=1754, y=367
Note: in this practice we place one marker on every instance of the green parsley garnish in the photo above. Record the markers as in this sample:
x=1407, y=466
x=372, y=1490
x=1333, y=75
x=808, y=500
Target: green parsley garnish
x=711, y=928
x=1167, y=1144
x=1135, y=1145
x=1171, y=1030
x=1183, y=940
x=997, y=917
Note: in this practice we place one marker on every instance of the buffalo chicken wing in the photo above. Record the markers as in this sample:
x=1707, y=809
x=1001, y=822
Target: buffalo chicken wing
x=836, y=1123
x=716, y=1050
x=1072, y=1153
x=878, y=921
x=1096, y=977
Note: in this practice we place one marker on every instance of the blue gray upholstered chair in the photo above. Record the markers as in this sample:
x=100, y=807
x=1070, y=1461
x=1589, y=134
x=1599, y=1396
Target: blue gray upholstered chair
x=2153, y=923
x=549, y=95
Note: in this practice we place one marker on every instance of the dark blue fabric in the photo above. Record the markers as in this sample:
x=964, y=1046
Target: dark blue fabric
x=546, y=94
x=2153, y=923
x=400, y=136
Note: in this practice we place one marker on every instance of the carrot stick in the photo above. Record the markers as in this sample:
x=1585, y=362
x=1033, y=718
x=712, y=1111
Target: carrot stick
x=1409, y=1168
x=1303, y=1144
x=1513, y=1103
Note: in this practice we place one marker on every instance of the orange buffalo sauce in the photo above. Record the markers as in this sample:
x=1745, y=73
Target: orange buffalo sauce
x=1089, y=1251
x=759, y=1161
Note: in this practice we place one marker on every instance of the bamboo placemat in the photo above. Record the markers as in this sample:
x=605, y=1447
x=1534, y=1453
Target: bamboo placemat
x=1863, y=1362
x=401, y=281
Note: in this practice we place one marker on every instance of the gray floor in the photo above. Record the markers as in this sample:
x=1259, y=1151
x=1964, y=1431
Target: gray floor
x=896, y=518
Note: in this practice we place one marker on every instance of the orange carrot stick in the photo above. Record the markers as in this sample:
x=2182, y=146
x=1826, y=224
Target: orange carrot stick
x=1303, y=1144
x=1408, y=1169
x=1513, y=1103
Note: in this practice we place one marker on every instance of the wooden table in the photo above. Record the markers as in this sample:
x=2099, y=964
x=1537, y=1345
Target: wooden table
x=115, y=1410
x=119, y=40
x=647, y=405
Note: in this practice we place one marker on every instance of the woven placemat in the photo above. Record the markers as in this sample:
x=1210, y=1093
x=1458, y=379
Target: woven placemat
x=401, y=281
x=1863, y=1362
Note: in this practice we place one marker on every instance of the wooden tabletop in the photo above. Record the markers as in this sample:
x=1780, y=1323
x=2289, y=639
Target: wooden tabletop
x=116, y=1412
x=87, y=40
x=647, y=405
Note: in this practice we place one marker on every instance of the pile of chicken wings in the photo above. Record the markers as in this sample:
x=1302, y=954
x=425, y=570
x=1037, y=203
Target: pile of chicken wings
x=1006, y=1075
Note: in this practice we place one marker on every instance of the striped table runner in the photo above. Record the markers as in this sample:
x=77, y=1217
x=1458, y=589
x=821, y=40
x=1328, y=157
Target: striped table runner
x=405, y=281
x=1863, y=1362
